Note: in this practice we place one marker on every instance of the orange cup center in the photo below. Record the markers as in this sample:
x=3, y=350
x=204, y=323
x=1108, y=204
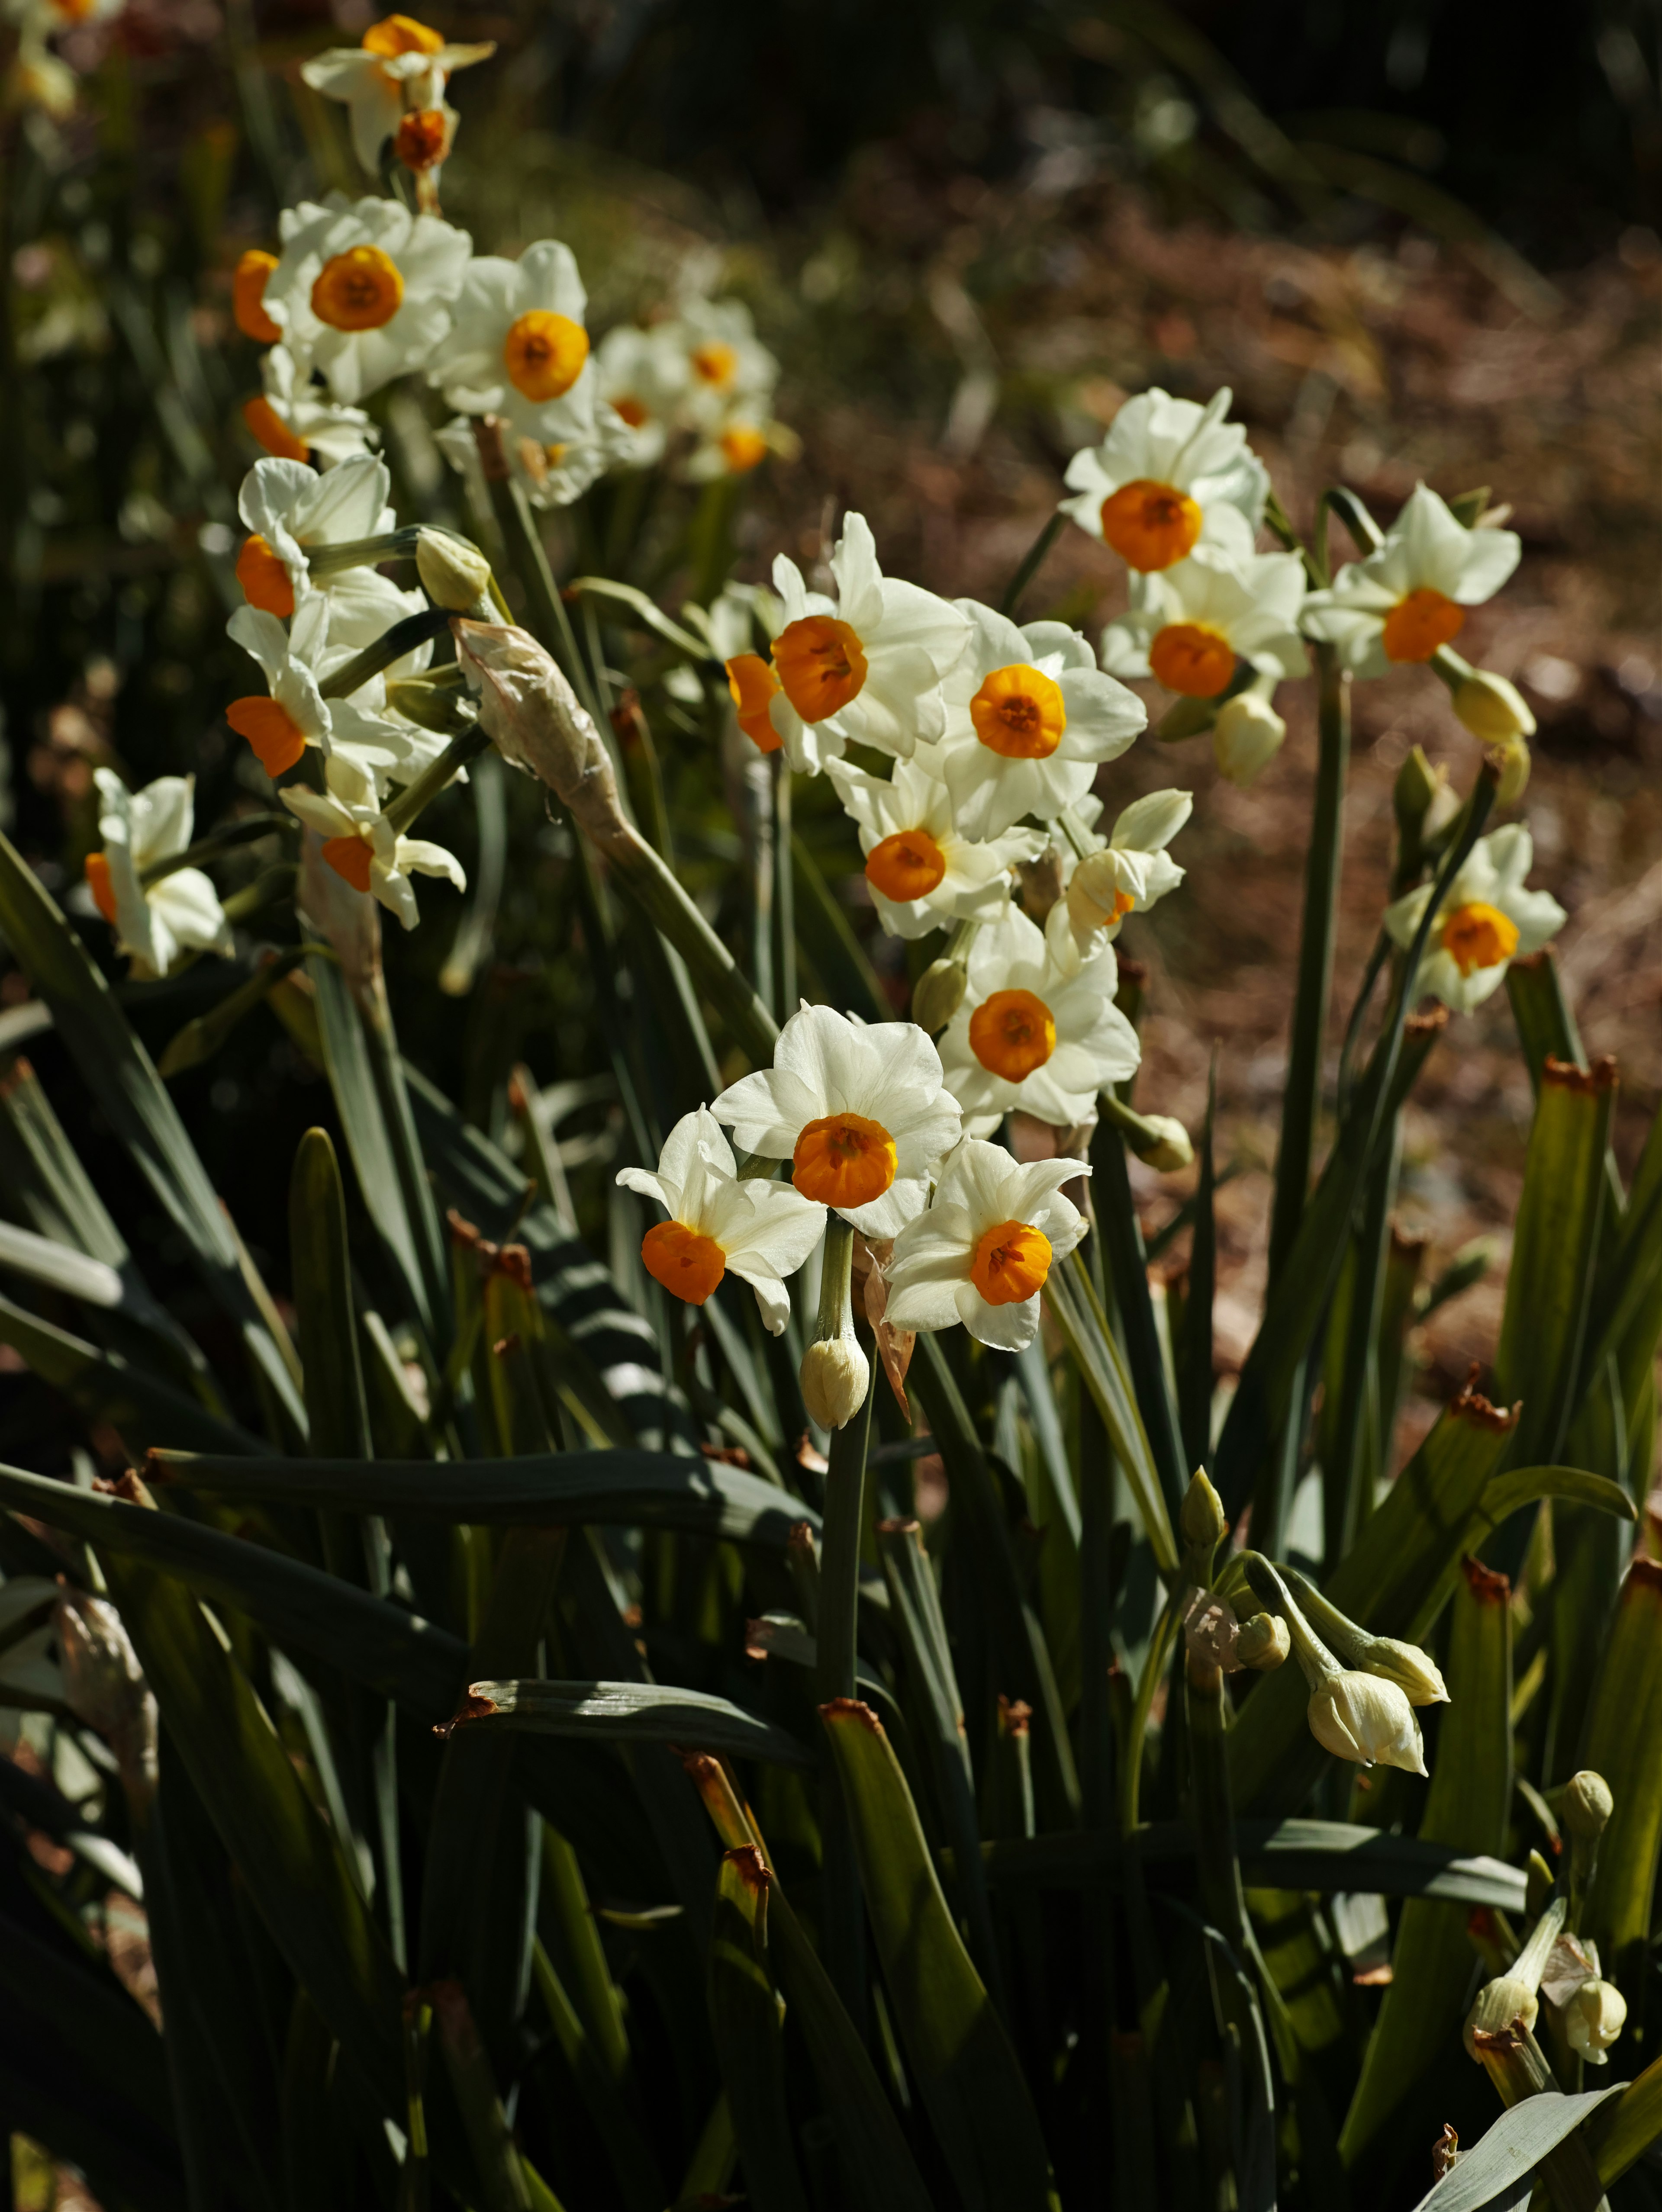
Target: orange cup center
x=1010, y=1262
x=1013, y=1033
x=844, y=1160
x=1151, y=525
x=820, y=663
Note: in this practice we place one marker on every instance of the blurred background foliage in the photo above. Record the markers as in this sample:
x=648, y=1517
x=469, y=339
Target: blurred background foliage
x=1404, y=232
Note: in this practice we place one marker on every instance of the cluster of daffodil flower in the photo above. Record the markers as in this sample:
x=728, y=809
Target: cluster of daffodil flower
x=363, y=291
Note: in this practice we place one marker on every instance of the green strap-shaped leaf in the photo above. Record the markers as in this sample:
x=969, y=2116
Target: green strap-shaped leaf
x=1388, y=1582
x=699, y=1497
x=1466, y=1806
x=630, y=1713
x=295, y=1868
x=1554, y=1244
x=966, y=2072
x=1624, y=1728
x=1625, y=2131
x=339, y=1421
x=1498, y=2167
x=106, y=1387
x=744, y=2013
x=134, y=1100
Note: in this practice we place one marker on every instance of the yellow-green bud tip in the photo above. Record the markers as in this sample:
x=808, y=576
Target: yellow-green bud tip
x=1493, y=710
x=1263, y=1643
x=938, y=994
x=1586, y=1805
x=454, y=574
x=1202, y=1519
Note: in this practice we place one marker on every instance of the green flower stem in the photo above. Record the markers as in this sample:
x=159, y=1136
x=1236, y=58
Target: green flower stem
x=241, y=832
x=784, y=905
x=1154, y=1672
x=846, y=1491
x=438, y=777
x=550, y=622
x=1211, y=1810
x=374, y=659
x=1304, y=1069
x=1031, y=561
x=1356, y=518
x=363, y=552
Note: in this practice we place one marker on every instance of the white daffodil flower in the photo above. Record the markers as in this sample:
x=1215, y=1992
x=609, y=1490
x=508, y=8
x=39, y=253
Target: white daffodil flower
x=732, y=445
x=352, y=734
x=1248, y=732
x=923, y=870
x=642, y=376
x=362, y=291
x=517, y=345
x=1127, y=874
x=1409, y=599
x=291, y=511
x=1593, y=2018
x=981, y=1254
x=865, y=666
x=1029, y=719
x=1031, y=1038
x=293, y=419
x=364, y=850
x=401, y=68
x=727, y=367
x=763, y=1231
x=1192, y=622
x=858, y=1109
x=179, y=911
x=1486, y=920
x=1170, y=475
x=551, y=475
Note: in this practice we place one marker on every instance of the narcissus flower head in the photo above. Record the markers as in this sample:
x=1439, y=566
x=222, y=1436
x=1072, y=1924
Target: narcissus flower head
x=1486, y=920
x=763, y=1231
x=294, y=420
x=1029, y=717
x=1189, y=625
x=363, y=745
x=1125, y=875
x=858, y=1110
x=1593, y=2019
x=1404, y=601
x=642, y=375
x=1170, y=475
x=982, y=1253
x=1032, y=1038
x=291, y=512
x=865, y=666
x=401, y=67
x=726, y=368
x=362, y=291
x=179, y=911
x=1248, y=733
x=923, y=872
x=1366, y=1718
x=517, y=345
x=364, y=849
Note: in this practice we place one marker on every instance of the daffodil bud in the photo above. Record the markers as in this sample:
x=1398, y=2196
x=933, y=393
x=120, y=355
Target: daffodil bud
x=105, y=1684
x=1262, y=1643
x=1363, y=1718
x=454, y=574
x=1500, y=2005
x=1162, y=1144
x=836, y=1375
x=1202, y=1520
x=1246, y=737
x=1413, y=1671
x=938, y=994
x=1512, y=762
x=1511, y=1999
x=1493, y=710
x=1593, y=2019
x=1585, y=1806
x=530, y=715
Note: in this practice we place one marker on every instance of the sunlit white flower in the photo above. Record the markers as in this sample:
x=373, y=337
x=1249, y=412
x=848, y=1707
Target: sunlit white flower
x=1487, y=919
x=981, y=1254
x=1029, y=717
x=353, y=734
x=858, y=1110
x=362, y=291
x=401, y=67
x=517, y=345
x=923, y=870
x=292, y=512
x=178, y=912
x=1365, y=1718
x=292, y=418
x=1170, y=475
x=728, y=369
x=1593, y=2018
x=865, y=667
x=1032, y=1038
x=763, y=1231
x=1191, y=622
x=363, y=848
x=37, y=77
x=1127, y=874
x=642, y=376
x=1404, y=601
x=552, y=473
